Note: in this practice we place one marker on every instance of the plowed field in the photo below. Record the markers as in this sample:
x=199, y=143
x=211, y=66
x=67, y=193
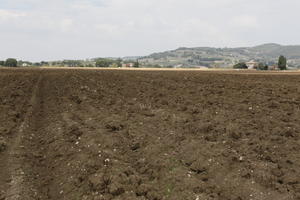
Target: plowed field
x=75, y=134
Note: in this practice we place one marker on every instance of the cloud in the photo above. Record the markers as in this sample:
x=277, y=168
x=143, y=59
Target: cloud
x=246, y=21
x=57, y=29
x=66, y=24
x=8, y=14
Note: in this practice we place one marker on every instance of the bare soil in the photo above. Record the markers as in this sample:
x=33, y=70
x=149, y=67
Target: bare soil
x=74, y=134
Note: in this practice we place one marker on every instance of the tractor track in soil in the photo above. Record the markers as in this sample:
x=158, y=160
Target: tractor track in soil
x=18, y=188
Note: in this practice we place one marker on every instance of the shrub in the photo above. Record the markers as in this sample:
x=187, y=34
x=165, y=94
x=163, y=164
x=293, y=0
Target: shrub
x=241, y=65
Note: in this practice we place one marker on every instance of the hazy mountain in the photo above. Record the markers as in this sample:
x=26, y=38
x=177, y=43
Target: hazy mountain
x=223, y=57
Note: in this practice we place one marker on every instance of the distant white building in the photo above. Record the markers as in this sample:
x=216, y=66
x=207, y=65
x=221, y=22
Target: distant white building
x=178, y=66
x=252, y=64
x=201, y=67
x=128, y=65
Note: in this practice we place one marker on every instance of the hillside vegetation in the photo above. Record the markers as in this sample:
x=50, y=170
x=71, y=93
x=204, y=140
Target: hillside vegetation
x=223, y=57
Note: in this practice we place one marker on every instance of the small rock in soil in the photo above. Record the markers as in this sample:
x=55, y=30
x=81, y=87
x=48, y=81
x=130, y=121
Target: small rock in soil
x=135, y=146
x=116, y=189
x=3, y=144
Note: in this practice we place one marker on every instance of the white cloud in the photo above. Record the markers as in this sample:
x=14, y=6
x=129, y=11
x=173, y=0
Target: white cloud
x=66, y=24
x=246, y=21
x=8, y=14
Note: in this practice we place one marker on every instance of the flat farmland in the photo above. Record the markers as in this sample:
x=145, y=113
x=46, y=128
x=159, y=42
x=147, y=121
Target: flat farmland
x=75, y=134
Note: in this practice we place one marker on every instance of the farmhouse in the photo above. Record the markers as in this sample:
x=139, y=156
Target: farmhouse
x=273, y=67
x=252, y=64
x=128, y=65
x=201, y=67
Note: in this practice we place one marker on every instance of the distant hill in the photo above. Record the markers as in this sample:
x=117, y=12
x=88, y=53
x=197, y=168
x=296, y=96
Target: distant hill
x=223, y=57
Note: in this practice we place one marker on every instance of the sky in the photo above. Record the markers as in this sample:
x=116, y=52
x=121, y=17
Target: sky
x=37, y=30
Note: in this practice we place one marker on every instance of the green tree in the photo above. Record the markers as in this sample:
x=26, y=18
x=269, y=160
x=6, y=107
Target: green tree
x=262, y=66
x=11, y=62
x=282, y=63
x=241, y=65
x=37, y=64
x=114, y=65
x=102, y=62
x=136, y=64
x=119, y=62
x=2, y=63
x=44, y=63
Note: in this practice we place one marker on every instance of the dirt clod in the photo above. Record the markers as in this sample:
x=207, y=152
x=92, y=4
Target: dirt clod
x=3, y=144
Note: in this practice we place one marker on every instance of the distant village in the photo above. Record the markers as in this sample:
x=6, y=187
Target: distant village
x=281, y=65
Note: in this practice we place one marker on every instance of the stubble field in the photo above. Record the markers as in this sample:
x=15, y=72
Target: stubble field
x=76, y=134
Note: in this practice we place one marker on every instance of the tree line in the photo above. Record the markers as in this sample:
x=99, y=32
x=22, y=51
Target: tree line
x=10, y=62
x=98, y=62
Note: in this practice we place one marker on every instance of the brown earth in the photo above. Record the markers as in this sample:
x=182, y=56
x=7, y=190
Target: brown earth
x=148, y=135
